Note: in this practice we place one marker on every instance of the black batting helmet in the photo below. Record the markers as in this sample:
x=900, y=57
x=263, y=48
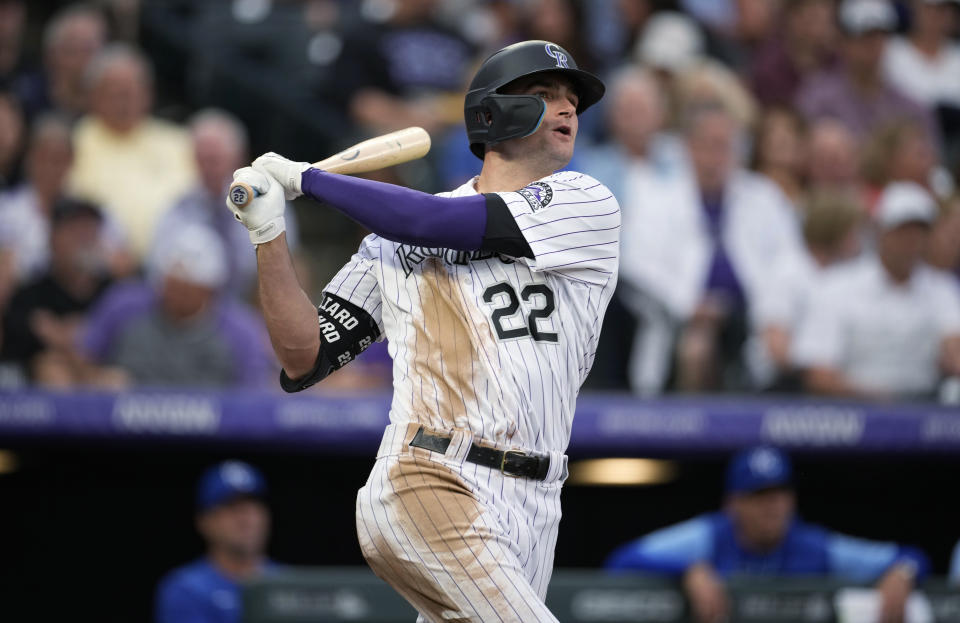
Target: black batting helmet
x=493, y=117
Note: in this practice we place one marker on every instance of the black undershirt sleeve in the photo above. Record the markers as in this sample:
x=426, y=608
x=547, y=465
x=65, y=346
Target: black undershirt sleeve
x=502, y=233
x=346, y=330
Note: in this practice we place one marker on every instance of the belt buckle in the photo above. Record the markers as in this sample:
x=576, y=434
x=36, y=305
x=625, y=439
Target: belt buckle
x=503, y=463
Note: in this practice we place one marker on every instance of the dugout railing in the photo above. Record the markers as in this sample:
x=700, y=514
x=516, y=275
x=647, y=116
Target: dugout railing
x=340, y=594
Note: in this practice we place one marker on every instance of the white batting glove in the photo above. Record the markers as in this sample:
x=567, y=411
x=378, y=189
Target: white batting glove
x=263, y=216
x=287, y=172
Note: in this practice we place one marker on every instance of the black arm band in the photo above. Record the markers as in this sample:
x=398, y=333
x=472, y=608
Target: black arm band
x=502, y=234
x=346, y=330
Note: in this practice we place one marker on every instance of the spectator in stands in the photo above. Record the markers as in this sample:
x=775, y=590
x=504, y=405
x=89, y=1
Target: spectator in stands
x=698, y=245
x=857, y=93
x=735, y=44
x=12, y=130
x=25, y=210
x=758, y=532
x=46, y=315
x=710, y=83
x=831, y=234
x=177, y=329
x=944, y=249
x=902, y=152
x=71, y=39
x=713, y=249
x=925, y=63
x=403, y=70
x=13, y=14
x=636, y=124
x=833, y=158
x=886, y=325
x=805, y=46
x=780, y=151
x=11, y=137
x=670, y=44
x=133, y=164
x=499, y=23
x=219, y=147
x=629, y=19
x=640, y=158
x=234, y=521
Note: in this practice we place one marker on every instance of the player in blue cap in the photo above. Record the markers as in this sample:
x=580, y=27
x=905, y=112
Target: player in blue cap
x=758, y=533
x=235, y=522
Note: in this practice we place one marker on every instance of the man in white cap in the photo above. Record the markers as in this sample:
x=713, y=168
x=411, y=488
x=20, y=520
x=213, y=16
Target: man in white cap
x=885, y=325
x=671, y=42
x=178, y=330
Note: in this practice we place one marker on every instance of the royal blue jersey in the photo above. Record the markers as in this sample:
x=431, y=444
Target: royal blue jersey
x=805, y=550
x=198, y=593
x=955, y=565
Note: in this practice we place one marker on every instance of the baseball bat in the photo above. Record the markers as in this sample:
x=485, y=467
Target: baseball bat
x=369, y=155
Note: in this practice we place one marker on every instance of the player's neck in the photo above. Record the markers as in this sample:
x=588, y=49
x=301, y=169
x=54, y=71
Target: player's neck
x=500, y=174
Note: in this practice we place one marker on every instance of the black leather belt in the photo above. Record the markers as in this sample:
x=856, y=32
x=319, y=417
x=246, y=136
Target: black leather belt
x=511, y=462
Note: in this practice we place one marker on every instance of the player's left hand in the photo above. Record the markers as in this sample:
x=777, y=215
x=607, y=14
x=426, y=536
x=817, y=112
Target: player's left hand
x=263, y=216
x=894, y=587
x=285, y=171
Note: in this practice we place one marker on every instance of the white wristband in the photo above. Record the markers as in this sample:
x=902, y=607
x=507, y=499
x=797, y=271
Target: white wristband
x=268, y=231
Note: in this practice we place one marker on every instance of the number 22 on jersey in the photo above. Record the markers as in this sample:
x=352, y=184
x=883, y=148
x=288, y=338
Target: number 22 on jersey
x=506, y=310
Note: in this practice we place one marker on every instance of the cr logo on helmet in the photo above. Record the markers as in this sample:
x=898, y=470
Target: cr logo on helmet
x=555, y=52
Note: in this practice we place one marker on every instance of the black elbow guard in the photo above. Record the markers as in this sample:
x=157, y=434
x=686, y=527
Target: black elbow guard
x=346, y=330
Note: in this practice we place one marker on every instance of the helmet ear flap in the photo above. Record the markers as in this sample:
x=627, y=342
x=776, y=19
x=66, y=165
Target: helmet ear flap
x=512, y=116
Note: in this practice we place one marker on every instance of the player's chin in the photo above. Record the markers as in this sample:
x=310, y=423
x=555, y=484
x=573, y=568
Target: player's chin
x=561, y=154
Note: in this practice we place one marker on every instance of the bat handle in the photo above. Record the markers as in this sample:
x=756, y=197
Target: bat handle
x=241, y=194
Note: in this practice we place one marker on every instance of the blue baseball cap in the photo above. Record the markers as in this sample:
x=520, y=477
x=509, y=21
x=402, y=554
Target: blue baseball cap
x=761, y=467
x=228, y=481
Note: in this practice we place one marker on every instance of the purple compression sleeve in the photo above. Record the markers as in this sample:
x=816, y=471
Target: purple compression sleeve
x=401, y=214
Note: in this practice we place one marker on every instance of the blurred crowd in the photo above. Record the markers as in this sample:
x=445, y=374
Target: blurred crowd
x=786, y=171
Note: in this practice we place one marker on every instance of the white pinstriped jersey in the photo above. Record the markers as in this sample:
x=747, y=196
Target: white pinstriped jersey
x=491, y=344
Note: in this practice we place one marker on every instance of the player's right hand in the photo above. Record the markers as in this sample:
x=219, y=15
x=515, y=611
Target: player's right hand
x=263, y=216
x=285, y=171
x=707, y=594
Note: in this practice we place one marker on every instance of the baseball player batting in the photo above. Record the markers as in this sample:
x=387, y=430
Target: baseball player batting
x=491, y=297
